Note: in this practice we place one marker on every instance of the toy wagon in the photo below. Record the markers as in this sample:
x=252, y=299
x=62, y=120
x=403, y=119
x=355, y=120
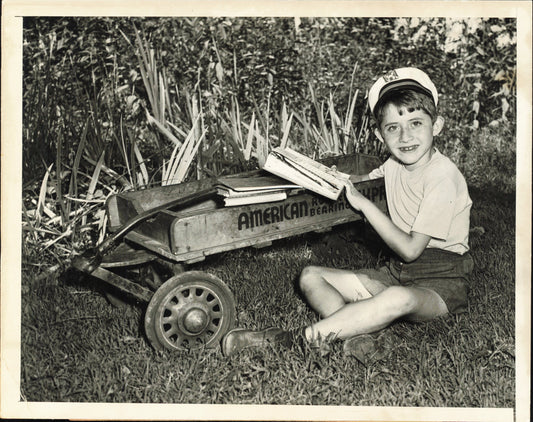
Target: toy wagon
x=181, y=224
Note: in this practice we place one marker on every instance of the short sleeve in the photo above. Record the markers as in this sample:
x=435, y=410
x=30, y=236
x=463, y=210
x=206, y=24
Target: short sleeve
x=436, y=210
x=377, y=173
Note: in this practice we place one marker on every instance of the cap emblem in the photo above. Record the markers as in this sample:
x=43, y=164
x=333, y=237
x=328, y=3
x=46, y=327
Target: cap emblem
x=390, y=76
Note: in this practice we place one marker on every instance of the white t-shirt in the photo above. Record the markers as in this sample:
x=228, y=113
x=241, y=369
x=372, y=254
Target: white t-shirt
x=432, y=199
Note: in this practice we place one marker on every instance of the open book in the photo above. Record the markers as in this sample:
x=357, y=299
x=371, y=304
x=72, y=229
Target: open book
x=306, y=172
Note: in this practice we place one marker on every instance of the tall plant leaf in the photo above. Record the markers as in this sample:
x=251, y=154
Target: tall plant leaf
x=42, y=195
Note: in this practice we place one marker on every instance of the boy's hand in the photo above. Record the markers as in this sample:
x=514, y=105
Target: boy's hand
x=354, y=197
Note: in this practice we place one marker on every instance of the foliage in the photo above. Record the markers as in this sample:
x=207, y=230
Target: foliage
x=86, y=67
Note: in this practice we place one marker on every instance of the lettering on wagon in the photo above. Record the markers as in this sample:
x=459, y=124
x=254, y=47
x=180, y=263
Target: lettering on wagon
x=374, y=193
x=295, y=210
x=270, y=215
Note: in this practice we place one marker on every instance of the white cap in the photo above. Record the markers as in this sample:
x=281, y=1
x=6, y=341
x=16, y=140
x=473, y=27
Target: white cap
x=405, y=77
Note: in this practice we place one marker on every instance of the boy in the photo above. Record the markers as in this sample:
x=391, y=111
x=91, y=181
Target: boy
x=428, y=228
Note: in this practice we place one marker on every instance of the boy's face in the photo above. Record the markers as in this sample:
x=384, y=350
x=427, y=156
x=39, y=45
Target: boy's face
x=408, y=134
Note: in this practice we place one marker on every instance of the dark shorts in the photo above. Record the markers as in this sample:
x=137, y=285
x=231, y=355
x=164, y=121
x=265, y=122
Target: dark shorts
x=446, y=273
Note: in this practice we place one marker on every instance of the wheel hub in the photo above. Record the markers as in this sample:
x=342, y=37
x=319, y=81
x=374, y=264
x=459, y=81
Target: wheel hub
x=195, y=320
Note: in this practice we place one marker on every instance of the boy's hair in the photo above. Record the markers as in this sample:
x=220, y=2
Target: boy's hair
x=410, y=99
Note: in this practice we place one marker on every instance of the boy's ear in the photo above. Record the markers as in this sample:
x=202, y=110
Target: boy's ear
x=438, y=125
x=378, y=134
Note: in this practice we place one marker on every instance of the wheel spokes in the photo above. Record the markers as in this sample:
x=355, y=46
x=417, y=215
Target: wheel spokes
x=174, y=312
x=191, y=310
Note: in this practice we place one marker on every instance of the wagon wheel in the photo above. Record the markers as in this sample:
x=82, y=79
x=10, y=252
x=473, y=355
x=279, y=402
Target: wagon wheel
x=190, y=310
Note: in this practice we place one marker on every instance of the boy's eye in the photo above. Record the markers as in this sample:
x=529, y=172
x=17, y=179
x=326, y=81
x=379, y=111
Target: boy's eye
x=416, y=123
x=392, y=128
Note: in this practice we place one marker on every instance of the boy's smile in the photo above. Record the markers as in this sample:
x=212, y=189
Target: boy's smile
x=409, y=135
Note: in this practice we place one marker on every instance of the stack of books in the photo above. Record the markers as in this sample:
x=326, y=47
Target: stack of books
x=253, y=190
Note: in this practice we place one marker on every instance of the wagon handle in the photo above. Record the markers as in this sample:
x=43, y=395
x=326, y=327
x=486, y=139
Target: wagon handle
x=91, y=258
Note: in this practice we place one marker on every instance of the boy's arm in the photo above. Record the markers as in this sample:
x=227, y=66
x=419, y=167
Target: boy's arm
x=407, y=246
x=356, y=178
x=374, y=174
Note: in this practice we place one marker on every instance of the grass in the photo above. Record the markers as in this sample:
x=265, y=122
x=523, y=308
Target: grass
x=76, y=347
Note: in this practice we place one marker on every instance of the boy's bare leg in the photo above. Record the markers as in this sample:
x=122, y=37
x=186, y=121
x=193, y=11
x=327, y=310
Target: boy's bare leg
x=350, y=303
x=328, y=289
x=373, y=314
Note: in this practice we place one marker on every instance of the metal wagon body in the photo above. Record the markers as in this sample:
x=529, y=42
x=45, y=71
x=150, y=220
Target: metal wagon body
x=182, y=224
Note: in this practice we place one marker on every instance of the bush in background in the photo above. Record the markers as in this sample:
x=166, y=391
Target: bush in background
x=79, y=69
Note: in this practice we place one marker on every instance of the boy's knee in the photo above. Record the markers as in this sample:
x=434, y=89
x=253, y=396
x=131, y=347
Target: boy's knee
x=401, y=301
x=309, y=277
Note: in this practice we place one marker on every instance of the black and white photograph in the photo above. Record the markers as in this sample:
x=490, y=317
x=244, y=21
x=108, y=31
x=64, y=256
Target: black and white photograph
x=289, y=211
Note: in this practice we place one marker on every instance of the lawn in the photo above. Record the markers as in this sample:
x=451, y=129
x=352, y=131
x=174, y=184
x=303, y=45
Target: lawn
x=76, y=347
